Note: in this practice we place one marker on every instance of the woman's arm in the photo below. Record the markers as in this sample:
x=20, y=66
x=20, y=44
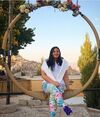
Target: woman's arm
x=48, y=79
x=66, y=79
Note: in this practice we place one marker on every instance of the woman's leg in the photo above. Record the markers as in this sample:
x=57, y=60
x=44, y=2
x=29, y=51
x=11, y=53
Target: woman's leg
x=52, y=103
x=56, y=94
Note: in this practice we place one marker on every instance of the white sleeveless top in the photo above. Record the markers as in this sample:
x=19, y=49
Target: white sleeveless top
x=56, y=70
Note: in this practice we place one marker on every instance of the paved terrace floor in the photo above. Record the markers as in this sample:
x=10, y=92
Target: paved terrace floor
x=25, y=106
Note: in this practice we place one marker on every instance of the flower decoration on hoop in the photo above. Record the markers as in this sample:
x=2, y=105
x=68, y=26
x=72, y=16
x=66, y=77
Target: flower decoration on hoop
x=65, y=6
x=26, y=8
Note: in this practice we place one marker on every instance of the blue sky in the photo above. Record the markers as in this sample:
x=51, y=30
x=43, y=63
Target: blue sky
x=56, y=28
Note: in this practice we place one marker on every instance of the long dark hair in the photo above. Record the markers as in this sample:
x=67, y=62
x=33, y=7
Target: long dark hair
x=51, y=60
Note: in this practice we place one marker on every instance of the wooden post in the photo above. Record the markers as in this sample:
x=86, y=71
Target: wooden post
x=9, y=53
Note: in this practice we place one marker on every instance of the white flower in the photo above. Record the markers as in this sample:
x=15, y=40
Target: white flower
x=22, y=10
x=62, y=9
x=22, y=7
x=48, y=0
x=27, y=10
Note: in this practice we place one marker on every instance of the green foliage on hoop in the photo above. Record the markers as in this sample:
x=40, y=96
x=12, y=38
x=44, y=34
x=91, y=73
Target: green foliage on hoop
x=22, y=36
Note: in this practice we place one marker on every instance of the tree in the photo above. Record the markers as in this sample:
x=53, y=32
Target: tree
x=86, y=64
x=21, y=34
x=39, y=67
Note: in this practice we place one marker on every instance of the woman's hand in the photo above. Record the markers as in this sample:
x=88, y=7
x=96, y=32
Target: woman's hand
x=57, y=84
x=48, y=79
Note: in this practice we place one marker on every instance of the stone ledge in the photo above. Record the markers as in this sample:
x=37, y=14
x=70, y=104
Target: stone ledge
x=23, y=102
x=8, y=108
x=94, y=112
x=34, y=102
x=36, y=111
x=31, y=103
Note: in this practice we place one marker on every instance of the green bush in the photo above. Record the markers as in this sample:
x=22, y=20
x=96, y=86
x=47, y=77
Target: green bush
x=87, y=63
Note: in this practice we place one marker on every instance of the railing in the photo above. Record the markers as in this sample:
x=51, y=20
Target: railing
x=21, y=93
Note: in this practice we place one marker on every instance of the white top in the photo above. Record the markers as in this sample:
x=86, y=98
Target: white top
x=58, y=72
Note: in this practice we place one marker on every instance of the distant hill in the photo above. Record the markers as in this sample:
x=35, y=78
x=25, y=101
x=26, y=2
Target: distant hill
x=31, y=68
x=72, y=71
x=25, y=67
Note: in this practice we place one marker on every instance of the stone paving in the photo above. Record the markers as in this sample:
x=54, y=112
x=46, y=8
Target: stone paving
x=25, y=106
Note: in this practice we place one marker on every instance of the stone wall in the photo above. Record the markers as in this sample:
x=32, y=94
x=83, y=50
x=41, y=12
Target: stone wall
x=35, y=84
x=94, y=112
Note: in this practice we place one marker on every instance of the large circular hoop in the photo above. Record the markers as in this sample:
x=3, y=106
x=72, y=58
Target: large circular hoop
x=41, y=95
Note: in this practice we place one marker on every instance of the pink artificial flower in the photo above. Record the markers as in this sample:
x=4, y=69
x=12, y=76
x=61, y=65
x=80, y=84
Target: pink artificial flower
x=69, y=1
x=40, y=1
x=73, y=6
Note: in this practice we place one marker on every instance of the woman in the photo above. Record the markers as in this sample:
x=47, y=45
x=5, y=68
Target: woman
x=54, y=73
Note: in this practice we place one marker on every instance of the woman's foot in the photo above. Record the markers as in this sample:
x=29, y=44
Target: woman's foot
x=67, y=110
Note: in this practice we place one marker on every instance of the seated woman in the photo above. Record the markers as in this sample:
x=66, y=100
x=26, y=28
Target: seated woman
x=54, y=73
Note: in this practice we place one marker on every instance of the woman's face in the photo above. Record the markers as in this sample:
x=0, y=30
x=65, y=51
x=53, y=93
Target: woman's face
x=56, y=53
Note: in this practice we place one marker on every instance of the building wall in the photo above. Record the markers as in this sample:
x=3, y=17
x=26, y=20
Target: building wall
x=35, y=84
x=24, y=83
